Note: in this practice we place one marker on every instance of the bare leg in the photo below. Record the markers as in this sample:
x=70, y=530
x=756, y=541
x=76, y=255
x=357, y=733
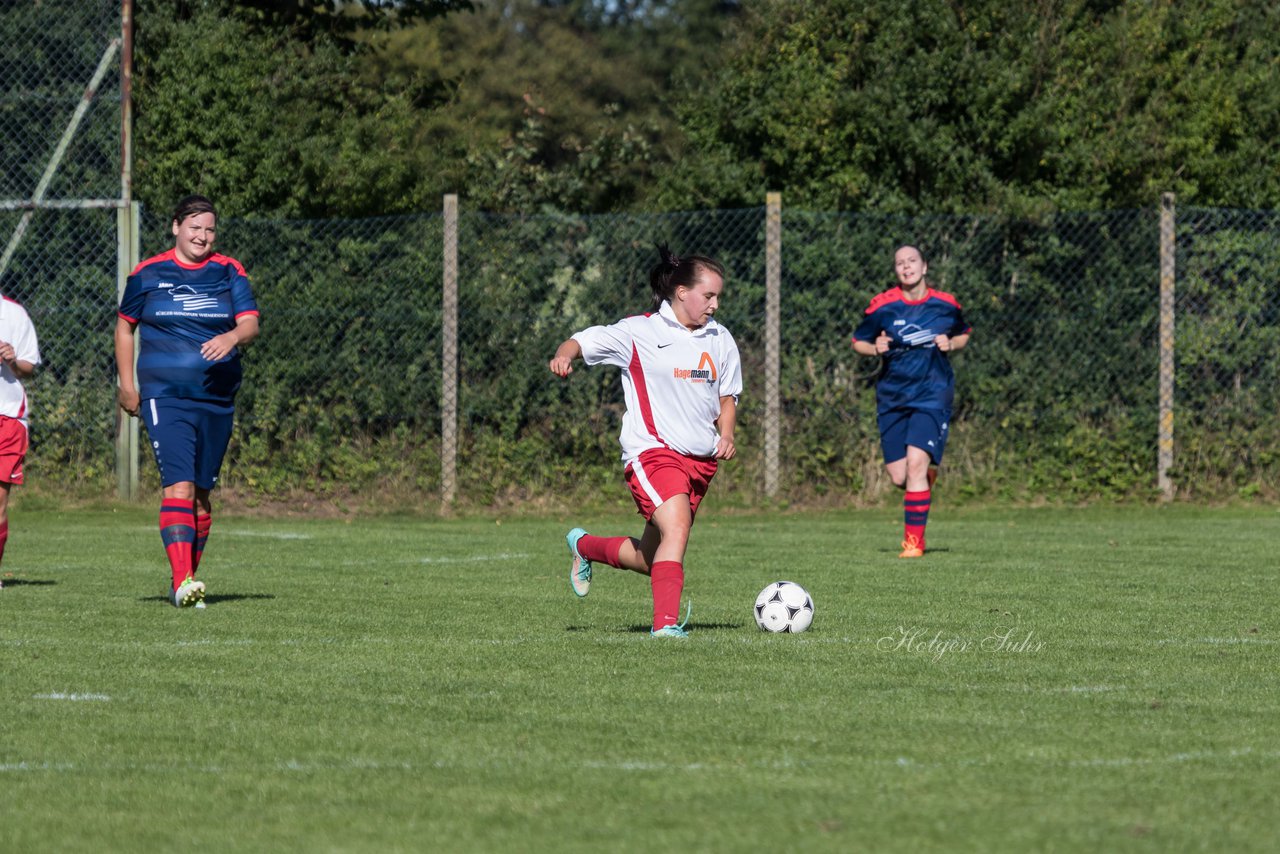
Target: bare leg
x=665, y=537
x=913, y=472
x=917, y=469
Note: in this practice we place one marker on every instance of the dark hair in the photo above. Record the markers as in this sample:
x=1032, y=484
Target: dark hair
x=675, y=272
x=191, y=206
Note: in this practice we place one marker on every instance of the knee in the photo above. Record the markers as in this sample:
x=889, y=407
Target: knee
x=181, y=491
x=677, y=531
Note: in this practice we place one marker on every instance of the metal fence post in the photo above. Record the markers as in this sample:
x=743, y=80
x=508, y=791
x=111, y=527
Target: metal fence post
x=1164, y=456
x=128, y=247
x=449, y=366
x=773, y=340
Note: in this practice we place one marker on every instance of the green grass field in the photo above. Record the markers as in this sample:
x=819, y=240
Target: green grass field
x=1100, y=679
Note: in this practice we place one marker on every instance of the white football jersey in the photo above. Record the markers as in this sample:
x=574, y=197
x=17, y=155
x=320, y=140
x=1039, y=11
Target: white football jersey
x=672, y=379
x=16, y=328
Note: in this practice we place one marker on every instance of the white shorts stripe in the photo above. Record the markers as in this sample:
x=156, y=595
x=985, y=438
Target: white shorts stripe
x=155, y=416
x=643, y=480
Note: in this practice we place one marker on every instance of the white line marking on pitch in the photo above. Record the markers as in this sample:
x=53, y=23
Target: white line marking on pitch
x=474, y=558
x=1214, y=641
x=58, y=695
x=359, y=763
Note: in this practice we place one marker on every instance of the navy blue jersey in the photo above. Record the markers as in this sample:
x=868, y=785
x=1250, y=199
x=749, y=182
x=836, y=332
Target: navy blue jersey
x=916, y=373
x=177, y=308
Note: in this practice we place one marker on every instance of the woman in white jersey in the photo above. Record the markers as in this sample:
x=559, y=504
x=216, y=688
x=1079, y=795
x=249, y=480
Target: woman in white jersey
x=681, y=377
x=19, y=355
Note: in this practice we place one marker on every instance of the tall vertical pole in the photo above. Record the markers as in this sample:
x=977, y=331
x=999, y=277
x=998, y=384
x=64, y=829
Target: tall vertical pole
x=126, y=102
x=449, y=364
x=1168, y=269
x=772, y=340
x=127, y=431
x=128, y=243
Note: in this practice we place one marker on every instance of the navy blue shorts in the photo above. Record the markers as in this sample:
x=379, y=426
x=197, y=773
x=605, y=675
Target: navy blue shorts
x=925, y=429
x=189, y=438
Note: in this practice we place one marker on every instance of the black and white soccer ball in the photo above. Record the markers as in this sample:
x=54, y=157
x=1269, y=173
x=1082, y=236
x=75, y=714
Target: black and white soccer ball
x=784, y=606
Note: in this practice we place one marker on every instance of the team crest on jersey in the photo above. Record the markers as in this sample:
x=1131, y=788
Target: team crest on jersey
x=704, y=373
x=188, y=297
x=915, y=336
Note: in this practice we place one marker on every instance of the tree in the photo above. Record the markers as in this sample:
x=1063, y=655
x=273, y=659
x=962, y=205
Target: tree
x=987, y=105
x=551, y=105
x=516, y=106
x=341, y=20
x=269, y=123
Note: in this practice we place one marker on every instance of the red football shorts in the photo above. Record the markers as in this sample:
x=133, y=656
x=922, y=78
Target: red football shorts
x=13, y=449
x=660, y=474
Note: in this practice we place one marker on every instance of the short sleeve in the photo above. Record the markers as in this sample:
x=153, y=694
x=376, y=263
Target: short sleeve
x=869, y=328
x=730, y=369
x=133, y=301
x=607, y=345
x=242, y=301
x=25, y=345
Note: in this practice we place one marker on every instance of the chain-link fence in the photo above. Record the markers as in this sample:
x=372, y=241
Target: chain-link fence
x=1228, y=349
x=1057, y=393
x=60, y=181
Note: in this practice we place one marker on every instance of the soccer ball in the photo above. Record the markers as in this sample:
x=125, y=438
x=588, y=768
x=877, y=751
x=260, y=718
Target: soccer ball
x=784, y=606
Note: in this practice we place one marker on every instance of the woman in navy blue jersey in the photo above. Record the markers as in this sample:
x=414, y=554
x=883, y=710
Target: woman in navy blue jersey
x=913, y=327
x=193, y=309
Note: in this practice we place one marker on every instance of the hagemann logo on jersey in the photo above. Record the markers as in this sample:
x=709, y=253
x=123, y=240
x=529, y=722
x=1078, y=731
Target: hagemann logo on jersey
x=704, y=373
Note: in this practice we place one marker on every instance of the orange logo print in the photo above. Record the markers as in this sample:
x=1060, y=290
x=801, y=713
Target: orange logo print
x=704, y=373
x=705, y=362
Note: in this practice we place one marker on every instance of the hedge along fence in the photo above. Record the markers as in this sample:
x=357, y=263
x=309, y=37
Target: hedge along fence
x=1058, y=393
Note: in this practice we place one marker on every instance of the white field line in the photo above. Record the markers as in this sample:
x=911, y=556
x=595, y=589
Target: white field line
x=474, y=558
x=58, y=695
x=641, y=766
x=210, y=642
x=241, y=532
x=1214, y=641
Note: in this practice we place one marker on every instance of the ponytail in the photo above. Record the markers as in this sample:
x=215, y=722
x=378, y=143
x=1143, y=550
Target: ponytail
x=673, y=272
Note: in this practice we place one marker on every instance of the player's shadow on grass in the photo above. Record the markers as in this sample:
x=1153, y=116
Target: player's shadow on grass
x=215, y=598
x=691, y=627
x=931, y=550
x=29, y=582
x=644, y=629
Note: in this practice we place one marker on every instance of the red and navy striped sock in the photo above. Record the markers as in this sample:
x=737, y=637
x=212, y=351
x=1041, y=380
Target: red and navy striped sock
x=667, y=581
x=601, y=549
x=204, y=521
x=178, y=533
x=915, y=515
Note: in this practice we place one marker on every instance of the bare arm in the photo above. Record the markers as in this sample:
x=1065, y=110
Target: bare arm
x=22, y=369
x=219, y=346
x=726, y=423
x=561, y=363
x=127, y=393
x=873, y=348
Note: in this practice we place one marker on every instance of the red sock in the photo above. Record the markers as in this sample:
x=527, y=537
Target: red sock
x=4, y=536
x=178, y=533
x=667, y=581
x=601, y=549
x=203, y=522
x=915, y=515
